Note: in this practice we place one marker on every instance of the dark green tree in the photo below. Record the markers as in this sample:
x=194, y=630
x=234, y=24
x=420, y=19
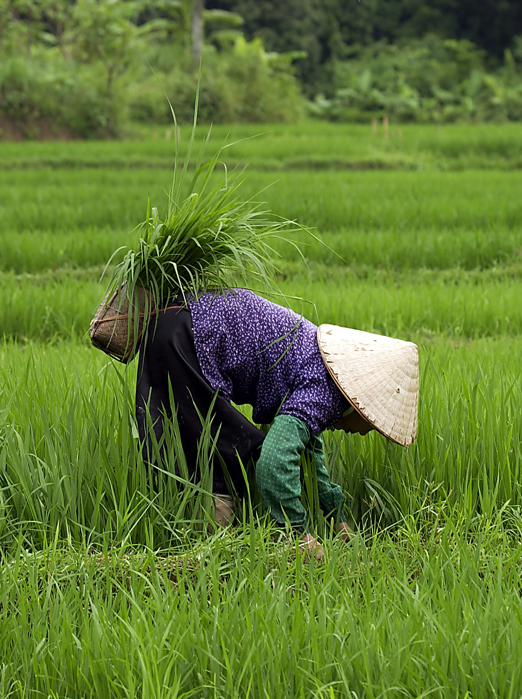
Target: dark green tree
x=329, y=30
x=323, y=28
x=490, y=24
x=103, y=31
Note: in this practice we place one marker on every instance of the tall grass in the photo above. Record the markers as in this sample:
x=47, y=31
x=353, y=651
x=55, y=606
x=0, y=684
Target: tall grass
x=412, y=305
x=56, y=200
x=113, y=587
x=425, y=599
x=30, y=252
x=360, y=249
x=60, y=305
x=240, y=616
x=71, y=461
x=210, y=235
x=72, y=466
x=468, y=453
x=308, y=144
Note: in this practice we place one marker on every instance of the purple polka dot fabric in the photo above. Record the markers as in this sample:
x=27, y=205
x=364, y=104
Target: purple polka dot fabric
x=256, y=352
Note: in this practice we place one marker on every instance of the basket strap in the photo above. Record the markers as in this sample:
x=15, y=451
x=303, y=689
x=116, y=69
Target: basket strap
x=126, y=316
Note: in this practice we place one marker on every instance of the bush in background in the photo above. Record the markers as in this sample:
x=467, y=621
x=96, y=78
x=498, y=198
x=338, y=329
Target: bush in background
x=80, y=69
x=48, y=96
x=428, y=80
x=53, y=98
x=244, y=84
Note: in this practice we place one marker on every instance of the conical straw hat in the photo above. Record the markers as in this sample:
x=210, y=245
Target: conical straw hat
x=378, y=375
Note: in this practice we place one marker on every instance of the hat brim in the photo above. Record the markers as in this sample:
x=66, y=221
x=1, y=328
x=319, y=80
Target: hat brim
x=378, y=376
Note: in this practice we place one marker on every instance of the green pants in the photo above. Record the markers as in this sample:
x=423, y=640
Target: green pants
x=279, y=479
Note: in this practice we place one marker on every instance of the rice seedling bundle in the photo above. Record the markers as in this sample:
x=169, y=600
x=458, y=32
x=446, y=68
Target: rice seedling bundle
x=209, y=238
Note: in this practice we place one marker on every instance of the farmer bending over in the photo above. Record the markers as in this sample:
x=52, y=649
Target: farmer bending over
x=252, y=351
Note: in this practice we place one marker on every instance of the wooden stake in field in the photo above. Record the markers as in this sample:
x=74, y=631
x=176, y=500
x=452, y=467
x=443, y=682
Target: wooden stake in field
x=386, y=126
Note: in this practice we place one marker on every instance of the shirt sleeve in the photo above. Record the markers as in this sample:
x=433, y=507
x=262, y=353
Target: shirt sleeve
x=278, y=472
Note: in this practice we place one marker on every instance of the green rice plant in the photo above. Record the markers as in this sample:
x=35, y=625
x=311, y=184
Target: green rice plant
x=73, y=465
x=112, y=584
x=50, y=306
x=426, y=599
x=467, y=456
x=423, y=210
x=306, y=145
x=399, y=201
x=30, y=252
x=72, y=201
x=361, y=250
x=412, y=305
x=205, y=239
x=442, y=248
x=209, y=237
x=241, y=614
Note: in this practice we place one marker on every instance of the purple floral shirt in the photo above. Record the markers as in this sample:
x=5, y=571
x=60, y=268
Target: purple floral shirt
x=259, y=353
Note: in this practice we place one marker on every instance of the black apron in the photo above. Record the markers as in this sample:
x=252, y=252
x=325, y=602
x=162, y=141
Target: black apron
x=168, y=353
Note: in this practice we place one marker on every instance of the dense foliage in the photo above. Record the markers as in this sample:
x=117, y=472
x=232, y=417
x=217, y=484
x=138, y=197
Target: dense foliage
x=86, y=68
x=429, y=80
x=89, y=68
x=329, y=29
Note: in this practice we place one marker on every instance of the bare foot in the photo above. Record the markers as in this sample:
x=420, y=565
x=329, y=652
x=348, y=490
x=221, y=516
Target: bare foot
x=311, y=547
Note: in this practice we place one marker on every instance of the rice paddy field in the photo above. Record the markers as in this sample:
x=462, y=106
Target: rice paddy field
x=109, y=588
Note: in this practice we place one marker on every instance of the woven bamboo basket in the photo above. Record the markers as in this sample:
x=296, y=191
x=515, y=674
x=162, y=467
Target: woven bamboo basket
x=110, y=329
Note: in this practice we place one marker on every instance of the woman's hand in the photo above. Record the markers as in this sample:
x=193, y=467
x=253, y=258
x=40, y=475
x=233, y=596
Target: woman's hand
x=344, y=531
x=311, y=547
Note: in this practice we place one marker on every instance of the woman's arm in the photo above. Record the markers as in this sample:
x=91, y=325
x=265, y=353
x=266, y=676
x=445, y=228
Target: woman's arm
x=278, y=472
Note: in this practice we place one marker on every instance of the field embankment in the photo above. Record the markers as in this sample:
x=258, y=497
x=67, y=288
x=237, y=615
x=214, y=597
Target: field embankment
x=308, y=145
